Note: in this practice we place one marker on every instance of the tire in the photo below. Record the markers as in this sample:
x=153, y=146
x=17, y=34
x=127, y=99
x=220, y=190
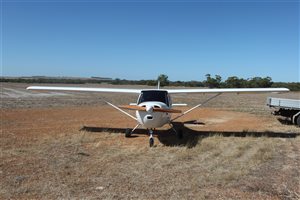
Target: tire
x=128, y=133
x=151, y=142
x=297, y=121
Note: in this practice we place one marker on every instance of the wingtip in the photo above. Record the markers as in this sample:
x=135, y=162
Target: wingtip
x=280, y=90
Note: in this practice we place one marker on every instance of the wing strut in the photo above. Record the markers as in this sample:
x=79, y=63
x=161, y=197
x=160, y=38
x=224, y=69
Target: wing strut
x=119, y=109
x=193, y=108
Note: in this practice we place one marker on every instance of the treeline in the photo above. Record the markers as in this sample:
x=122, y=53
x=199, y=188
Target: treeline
x=210, y=82
x=256, y=82
x=214, y=82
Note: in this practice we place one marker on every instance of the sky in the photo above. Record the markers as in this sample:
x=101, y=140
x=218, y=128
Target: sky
x=141, y=39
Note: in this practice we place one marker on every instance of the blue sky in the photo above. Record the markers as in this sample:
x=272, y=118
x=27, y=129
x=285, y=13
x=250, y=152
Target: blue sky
x=142, y=39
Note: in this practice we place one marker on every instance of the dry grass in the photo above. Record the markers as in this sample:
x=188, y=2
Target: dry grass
x=83, y=165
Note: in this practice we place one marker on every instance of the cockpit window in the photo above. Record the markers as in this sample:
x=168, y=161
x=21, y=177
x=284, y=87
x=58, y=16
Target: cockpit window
x=161, y=96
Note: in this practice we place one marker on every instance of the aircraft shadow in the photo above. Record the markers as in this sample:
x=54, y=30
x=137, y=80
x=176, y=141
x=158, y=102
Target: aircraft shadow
x=285, y=121
x=190, y=137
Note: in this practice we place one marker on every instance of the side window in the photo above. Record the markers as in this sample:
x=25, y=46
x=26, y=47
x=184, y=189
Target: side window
x=139, y=100
x=166, y=101
x=169, y=100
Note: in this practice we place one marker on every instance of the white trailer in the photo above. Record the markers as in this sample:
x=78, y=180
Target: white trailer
x=286, y=107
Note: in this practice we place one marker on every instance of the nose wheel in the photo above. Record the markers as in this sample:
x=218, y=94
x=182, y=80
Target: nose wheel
x=151, y=142
x=151, y=139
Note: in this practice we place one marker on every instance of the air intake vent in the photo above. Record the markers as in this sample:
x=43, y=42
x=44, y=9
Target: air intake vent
x=149, y=117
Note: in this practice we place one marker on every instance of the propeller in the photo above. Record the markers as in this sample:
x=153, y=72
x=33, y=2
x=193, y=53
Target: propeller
x=149, y=109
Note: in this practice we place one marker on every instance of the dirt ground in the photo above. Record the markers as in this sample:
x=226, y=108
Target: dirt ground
x=70, y=145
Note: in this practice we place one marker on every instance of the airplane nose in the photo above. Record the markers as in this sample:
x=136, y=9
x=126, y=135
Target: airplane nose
x=149, y=109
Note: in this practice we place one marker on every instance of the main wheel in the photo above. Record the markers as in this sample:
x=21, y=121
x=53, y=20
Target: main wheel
x=151, y=142
x=127, y=133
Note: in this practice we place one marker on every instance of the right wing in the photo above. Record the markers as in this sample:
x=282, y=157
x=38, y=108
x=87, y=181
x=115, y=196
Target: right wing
x=228, y=90
x=84, y=89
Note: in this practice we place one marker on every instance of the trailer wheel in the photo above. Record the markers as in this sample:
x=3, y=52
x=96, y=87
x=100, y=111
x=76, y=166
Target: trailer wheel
x=297, y=120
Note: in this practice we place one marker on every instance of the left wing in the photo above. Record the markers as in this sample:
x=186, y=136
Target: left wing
x=227, y=90
x=82, y=89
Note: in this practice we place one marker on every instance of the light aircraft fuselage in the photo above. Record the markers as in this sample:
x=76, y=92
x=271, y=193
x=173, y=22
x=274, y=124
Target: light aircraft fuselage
x=151, y=99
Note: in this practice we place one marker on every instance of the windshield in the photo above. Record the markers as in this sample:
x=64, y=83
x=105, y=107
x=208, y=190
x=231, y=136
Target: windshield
x=161, y=96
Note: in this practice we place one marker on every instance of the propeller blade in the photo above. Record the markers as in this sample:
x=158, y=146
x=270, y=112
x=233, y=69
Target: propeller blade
x=134, y=107
x=166, y=110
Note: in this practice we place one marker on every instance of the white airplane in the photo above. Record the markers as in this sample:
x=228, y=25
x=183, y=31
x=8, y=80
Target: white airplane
x=154, y=106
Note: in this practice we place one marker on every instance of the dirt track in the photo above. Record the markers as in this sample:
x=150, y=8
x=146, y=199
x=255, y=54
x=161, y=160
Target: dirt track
x=45, y=153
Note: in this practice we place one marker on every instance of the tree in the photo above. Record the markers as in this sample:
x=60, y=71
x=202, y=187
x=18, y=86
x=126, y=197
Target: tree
x=258, y=82
x=163, y=79
x=234, y=82
x=213, y=82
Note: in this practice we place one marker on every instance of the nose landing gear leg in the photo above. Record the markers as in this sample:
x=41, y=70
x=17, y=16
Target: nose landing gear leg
x=151, y=139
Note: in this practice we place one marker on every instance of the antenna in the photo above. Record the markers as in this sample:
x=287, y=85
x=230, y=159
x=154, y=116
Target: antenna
x=158, y=84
